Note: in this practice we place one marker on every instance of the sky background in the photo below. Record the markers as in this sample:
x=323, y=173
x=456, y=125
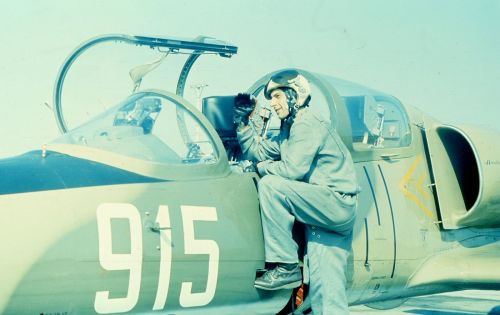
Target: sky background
x=442, y=56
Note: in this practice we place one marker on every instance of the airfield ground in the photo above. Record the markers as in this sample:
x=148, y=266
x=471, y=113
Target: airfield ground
x=456, y=303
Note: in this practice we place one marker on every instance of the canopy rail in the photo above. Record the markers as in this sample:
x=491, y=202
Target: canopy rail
x=196, y=47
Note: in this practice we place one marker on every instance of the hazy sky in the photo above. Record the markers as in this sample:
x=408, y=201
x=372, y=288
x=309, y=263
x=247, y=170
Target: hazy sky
x=442, y=56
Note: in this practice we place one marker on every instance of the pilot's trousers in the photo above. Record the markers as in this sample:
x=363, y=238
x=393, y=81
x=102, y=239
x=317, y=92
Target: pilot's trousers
x=328, y=253
x=329, y=219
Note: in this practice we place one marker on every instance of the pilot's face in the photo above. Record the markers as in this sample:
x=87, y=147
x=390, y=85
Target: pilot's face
x=279, y=103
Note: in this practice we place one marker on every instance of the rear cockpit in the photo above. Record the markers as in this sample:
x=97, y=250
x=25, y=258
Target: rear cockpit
x=368, y=119
x=377, y=120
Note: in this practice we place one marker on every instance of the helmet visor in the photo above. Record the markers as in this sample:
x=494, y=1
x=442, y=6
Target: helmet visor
x=283, y=77
x=280, y=79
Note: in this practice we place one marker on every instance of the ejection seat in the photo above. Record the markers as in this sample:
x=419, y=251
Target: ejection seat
x=219, y=111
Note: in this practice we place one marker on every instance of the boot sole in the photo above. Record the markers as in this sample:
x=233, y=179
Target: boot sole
x=291, y=285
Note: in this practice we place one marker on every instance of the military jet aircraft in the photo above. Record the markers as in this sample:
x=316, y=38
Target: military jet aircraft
x=149, y=207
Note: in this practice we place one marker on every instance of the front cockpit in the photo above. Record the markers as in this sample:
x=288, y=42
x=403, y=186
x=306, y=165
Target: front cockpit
x=149, y=125
x=152, y=132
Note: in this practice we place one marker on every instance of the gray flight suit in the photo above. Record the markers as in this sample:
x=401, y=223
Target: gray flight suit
x=308, y=176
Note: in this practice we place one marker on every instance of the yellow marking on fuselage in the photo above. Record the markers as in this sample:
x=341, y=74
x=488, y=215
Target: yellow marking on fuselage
x=403, y=186
x=420, y=187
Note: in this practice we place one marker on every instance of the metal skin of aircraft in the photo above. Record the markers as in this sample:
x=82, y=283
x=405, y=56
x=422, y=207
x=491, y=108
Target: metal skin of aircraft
x=149, y=208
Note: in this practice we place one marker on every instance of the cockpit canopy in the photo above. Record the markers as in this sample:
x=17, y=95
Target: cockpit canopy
x=100, y=73
x=162, y=127
x=148, y=125
x=375, y=120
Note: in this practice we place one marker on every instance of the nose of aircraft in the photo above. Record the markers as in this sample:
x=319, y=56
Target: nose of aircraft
x=30, y=172
x=41, y=171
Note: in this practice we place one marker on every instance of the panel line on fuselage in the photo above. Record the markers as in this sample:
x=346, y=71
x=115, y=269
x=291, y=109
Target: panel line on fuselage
x=392, y=218
x=367, y=244
x=373, y=194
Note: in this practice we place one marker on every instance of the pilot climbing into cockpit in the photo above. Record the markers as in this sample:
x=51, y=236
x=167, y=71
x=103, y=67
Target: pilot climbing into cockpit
x=307, y=176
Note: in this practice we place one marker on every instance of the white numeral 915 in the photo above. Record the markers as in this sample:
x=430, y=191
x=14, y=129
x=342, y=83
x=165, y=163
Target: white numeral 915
x=132, y=261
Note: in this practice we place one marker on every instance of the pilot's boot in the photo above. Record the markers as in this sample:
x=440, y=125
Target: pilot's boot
x=283, y=276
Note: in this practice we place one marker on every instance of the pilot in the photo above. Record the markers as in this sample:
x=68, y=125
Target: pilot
x=307, y=176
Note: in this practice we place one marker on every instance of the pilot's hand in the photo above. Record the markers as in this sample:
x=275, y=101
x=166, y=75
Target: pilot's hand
x=244, y=104
x=258, y=168
x=247, y=166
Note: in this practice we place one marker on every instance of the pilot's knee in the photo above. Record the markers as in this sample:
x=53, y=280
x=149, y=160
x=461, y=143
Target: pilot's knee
x=269, y=182
x=269, y=185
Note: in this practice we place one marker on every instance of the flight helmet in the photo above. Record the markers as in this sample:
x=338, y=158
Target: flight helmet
x=289, y=79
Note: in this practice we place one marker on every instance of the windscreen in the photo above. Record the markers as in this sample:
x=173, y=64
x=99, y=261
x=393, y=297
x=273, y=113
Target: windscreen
x=149, y=126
